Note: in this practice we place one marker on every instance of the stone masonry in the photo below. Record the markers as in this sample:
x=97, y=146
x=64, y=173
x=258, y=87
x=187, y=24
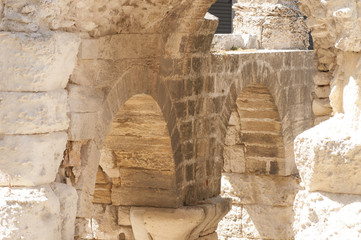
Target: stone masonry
x=117, y=122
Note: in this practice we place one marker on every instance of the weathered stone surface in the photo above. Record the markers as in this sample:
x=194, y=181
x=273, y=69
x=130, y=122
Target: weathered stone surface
x=275, y=25
x=322, y=78
x=30, y=160
x=144, y=197
x=162, y=223
x=82, y=126
x=124, y=216
x=104, y=223
x=23, y=57
x=29, y=113
x=320, y=215
x=257, y=189
x=85, y=99
x=326, y=154
x=321, y=107
x=67, y=197
x=267, y=222
x=323, y=91
x=231, y=225
x=29, y=213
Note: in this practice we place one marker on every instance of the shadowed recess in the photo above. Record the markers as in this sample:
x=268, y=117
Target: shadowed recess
x=136, y=166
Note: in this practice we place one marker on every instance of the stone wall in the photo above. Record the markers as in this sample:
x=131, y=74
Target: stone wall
x=69, y=70
x=327, y=155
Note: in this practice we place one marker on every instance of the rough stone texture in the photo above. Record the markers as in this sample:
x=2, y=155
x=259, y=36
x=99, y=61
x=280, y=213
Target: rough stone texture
x=38, y=161
x=264, y=190
x=67, y=197
x=33, y=113
x=274, y=24
x=326, y=154
x=321, y=215
x=331, y=149
x=18, y=51
x=159, y=48
x=29, y=213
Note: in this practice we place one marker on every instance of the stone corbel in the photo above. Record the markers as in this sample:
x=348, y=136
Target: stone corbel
x=185, y=223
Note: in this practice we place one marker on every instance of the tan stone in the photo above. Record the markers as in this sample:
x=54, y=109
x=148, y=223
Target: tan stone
x=144, y=197
x=162, y=223
x=30, y=160
x=124, y=216
x=231, y=225
x=234, y=159
x=326, y=154
x=267, y=222
x=67, y=197
x=265, y=190
x=35, y=208
x=323, y=91
x=321, y=107
x=322, y=78
x=320, y=215
x=29, y=113
x=24, y=55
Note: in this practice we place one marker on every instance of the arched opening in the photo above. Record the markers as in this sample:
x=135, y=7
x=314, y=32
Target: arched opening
x=254, y=158
x=136, y=168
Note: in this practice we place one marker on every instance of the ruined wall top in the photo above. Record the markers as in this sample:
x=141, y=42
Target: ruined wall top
x=98, y=18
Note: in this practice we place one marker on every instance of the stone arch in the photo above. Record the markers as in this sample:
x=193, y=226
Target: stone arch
x=86, y=143
x=136, y=167
x=262, y=72
x=255, y=160
x=254, y=142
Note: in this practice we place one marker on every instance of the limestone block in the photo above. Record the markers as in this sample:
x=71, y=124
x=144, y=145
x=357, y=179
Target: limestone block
x=322, y=78
x=85, y=207
x=124, y=216
x=320, y=215
x=215, y=209
x=322, y=91
x=85, y=99
x=82, y=126
x=234, y=159
x=163, y=223
x=267, y=222
x=231, y=224
x=121, y=46
x=29, y=113
x=30, y=160
x=321, y=107
x=29, y=213
x=144, y=197
x=104, y=222
x=258, y=189
x=36, y=62
x=108, y=163
x=328, y=157
x=67, y=197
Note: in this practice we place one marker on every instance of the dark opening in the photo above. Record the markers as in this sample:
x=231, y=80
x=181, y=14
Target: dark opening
x=223, y=10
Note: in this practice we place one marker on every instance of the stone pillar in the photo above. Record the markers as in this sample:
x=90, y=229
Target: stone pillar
x=35, y=68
